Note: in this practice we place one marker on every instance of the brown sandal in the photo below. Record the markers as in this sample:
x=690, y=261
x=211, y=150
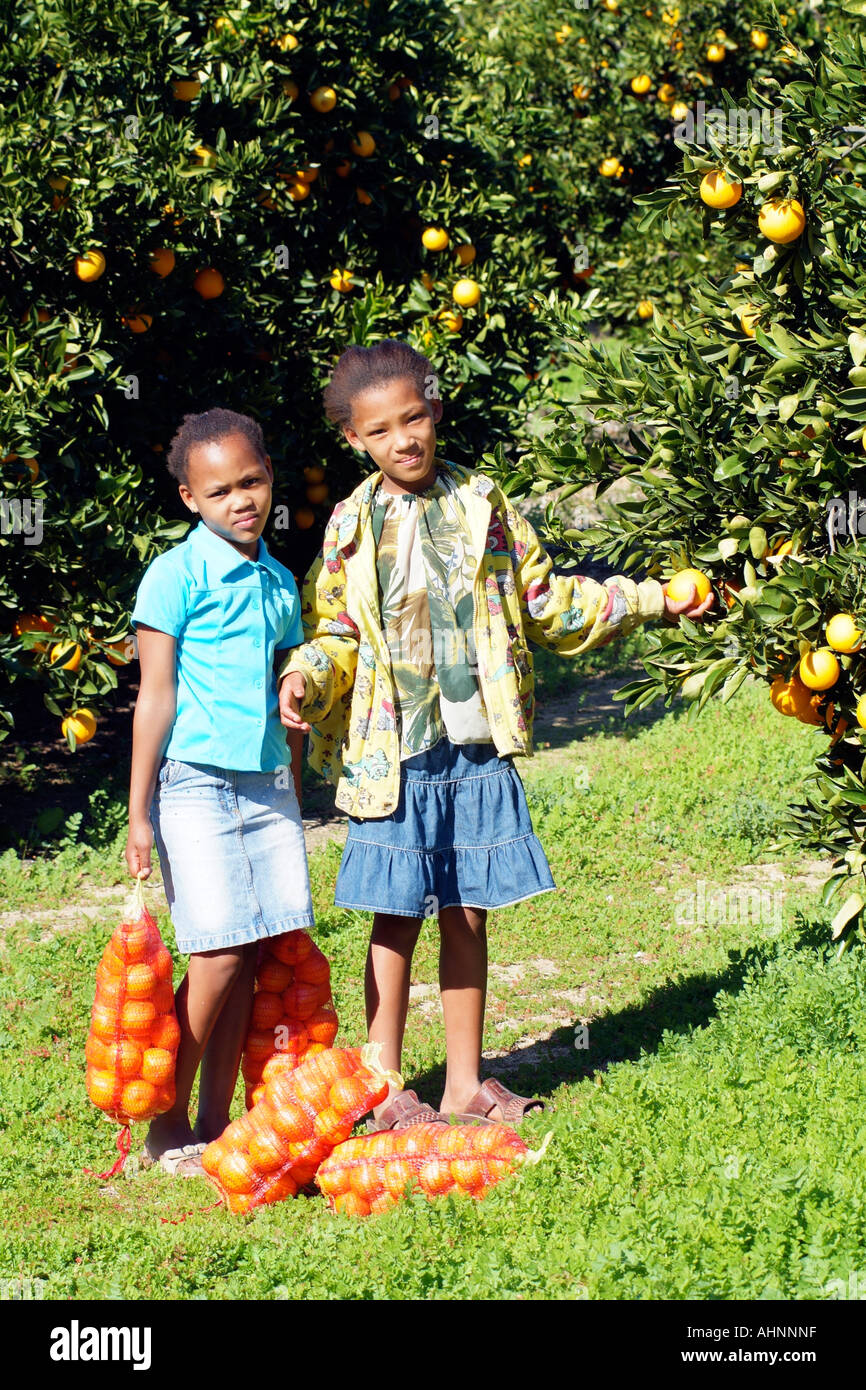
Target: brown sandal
x=402, y=1112
x=514, y=1108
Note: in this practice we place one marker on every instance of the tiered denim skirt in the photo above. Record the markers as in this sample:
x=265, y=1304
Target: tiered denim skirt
x=461, y=835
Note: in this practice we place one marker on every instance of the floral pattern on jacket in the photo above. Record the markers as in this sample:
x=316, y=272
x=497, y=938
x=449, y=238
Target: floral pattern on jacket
x=518, y=598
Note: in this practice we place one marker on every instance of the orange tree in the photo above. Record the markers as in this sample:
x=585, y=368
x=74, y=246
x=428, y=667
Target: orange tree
x=203, y=204
x=745, y=438
x=587, y=99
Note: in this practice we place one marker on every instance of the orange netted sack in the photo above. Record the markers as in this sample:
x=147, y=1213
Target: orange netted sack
x=375, y=1171
x=132, y=1043
x=275, y=1149
x=293, y=1013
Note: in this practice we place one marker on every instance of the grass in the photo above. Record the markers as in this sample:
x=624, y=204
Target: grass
x=708, y=1143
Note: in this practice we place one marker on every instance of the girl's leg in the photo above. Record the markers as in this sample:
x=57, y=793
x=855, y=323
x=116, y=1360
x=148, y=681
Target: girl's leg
x=222, y=1055
x=201, y=995
x=463, y=984
x=386, y=985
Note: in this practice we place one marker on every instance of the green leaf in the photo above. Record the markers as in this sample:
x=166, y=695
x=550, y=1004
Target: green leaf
x=852, y=906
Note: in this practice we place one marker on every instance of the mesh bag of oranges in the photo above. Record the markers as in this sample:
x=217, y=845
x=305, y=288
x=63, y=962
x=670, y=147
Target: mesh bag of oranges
x=374, y=1172
x=275, y=1149
x=132, y=1043
x=293, y=1013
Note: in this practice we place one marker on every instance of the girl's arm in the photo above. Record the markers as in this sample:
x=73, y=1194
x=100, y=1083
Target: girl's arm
x=155, y=711
x=323, y=667
x=572, y=614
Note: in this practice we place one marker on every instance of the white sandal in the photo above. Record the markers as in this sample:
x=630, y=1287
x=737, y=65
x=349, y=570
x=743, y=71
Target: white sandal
x=182, y=1163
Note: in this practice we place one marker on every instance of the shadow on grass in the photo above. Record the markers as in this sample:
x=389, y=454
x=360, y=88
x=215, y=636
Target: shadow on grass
x=681, y=1006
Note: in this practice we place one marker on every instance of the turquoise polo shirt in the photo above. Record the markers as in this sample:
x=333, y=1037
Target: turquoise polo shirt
x=229, y=615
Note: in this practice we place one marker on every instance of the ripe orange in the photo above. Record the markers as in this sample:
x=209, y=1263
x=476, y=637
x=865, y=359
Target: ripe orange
x=323, y=99
x=124, y=1058
x=348, y=1096
x=304, y=518
x=300, y=1000
x=32, y=622
x=236, y=1173
x=285, y=42
x=309, y=174
x=453, y=322
x=350, y=1204
x=819, y=669
x=715, y=53
x=679, y=111
x=341, y=280
x=317, y=493
x=96, y=1053
x=860, y=712
x=363, y=144
x=141, y=981
x=465, y=253
x=133, y=941
x=282, y=1187
x=680, y=585
x=292, y=946
x=843, y=635
x=610, y=167
x=291, y=89
x=298, y=190
x=241, y=1203
x=185, y=89
x=165, y=1032
x=259, y=1047
x=641, y=84
x=759, y=39
x=138, y=1099
x=213, y=1157
x=137, y=1018
x=157, y=1065
x=436, y=1177
x=292, y=1122
x=468, y=1174
x=330, y=1125
x=314, y=473
x=666, y=93
x=104, y=1023
x=434, y=238
x=718, y=191
x=645, y=309
x=238, y=1133
x=136, y=321
x=267, y=1150
x=101, y=1088
x=209, y=283
x=363, y=196
x=315, y=970
x=311, y=1088
x=90, y=266
x=274, y=976
x=292, y=1041
x=81, y=723
x=782, y=220
x=71, y=651
x=466, y=293
x=163, y=965
x=748, y=320
x=267, y=1010
x=322, y=1026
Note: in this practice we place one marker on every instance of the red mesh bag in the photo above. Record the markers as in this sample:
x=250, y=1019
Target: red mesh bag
x=375, y=1171
x=132, y=1043
x=293, y=1013
x=275, y=1149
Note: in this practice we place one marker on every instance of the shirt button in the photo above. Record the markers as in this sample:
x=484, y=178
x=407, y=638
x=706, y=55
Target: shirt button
x=255, y=605
x=257, y=642
x=258, y=687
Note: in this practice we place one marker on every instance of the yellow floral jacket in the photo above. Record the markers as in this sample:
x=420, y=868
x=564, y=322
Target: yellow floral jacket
x=349, y=699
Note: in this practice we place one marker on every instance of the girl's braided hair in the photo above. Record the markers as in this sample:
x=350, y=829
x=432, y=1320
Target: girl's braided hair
x=210, y=427
x=361, y=368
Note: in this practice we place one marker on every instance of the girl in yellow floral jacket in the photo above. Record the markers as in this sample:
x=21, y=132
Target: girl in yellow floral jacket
x=415, y=685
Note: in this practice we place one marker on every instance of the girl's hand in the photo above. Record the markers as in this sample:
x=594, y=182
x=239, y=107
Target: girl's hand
x=292, y=690
x=688, y=607
x=139, y=843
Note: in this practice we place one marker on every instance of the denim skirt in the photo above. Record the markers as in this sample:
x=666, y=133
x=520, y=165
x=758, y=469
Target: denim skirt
x=461, y=835
x=232, y=853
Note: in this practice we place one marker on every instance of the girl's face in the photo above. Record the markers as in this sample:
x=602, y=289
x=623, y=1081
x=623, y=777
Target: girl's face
x=396, y=426
x=229, y=487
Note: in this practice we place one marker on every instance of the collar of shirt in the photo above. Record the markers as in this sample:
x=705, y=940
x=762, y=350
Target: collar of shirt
x=220, y=552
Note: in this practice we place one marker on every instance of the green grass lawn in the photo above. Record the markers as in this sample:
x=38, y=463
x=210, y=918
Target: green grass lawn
x=708, y=1142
